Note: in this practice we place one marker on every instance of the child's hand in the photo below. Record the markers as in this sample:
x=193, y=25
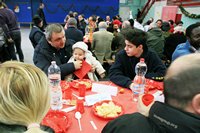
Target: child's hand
x=102, y=75
x=92, y=69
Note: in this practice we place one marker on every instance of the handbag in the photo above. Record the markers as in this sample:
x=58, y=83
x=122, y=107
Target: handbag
x=2, y=37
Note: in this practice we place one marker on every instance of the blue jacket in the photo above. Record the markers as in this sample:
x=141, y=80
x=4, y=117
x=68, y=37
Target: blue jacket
x=122, y=72
x=181, y=49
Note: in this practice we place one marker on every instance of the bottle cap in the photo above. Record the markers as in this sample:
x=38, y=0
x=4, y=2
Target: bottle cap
x=141, y=59
x=53, y=62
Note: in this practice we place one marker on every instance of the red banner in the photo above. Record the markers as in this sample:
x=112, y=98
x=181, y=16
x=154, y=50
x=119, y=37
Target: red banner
x=169, y=12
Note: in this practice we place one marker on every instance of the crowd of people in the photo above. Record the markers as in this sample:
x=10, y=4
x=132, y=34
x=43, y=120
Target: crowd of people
x=112, y=48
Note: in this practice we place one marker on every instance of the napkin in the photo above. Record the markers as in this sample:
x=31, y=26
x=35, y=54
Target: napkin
x=80, y=73
x=92, y=99
x=105, y=89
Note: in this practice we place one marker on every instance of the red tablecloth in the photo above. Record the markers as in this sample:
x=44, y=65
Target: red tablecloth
x=125, y=99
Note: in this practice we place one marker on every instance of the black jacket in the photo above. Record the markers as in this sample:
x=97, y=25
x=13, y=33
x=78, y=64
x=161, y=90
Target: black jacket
x=40, y=13
x=171, y=42
x=4, y=128
x=74, y=34
x=162, y=119
x=44, y=53
x=122, y=72
x=8, y=21
x=35, y=35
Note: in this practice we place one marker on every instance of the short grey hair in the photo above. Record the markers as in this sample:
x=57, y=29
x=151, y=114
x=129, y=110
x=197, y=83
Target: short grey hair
x=126, y=24
x=72, y=21
x=57, y=28
x=103, y=25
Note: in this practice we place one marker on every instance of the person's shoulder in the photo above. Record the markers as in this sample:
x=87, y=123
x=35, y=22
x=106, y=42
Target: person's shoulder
x=182, y=48
x=8, y=11
x=70, y=42
x=122, y=53
x=79, y=32
x=128, y=123
x=42, y=45
x=151, y=51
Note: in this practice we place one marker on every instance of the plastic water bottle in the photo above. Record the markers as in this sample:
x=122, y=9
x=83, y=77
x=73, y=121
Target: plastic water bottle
x=54, y=82
x=139, y=80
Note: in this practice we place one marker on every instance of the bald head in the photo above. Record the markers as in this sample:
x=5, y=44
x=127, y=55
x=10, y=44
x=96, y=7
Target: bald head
x=184, y=63
x=182, y=81
x=126, y=24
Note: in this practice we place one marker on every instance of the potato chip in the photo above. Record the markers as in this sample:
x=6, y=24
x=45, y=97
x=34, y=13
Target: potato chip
x=108, y=110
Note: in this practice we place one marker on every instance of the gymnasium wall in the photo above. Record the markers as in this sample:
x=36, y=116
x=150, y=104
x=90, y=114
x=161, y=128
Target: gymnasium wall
x=56, y=10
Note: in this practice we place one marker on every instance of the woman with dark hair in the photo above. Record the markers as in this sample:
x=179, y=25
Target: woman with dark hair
x=37, y=31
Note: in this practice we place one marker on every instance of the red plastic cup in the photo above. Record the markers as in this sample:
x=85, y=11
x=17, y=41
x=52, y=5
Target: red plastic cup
x=147, y=99
x=80, y=105
x=82, y=90
x=67, y=94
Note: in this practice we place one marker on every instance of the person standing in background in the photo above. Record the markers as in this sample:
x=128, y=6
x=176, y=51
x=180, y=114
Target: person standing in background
x=40, y=12
x=82, y=23
x=101, y=43
x=37, y=31
x=8, y=22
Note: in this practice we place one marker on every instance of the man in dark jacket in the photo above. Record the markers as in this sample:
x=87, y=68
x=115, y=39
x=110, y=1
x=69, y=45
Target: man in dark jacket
x=72, y=32
x=54, y=47
x=82, y=23
x=181, y=111
x=122, y=72
x=40, y=12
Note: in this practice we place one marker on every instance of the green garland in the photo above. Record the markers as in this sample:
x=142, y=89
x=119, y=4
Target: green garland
x=186, y=13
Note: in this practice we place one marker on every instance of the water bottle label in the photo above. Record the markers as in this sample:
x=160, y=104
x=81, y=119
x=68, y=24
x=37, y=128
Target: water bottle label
x=56, y=100
x=54, y=76
x=138, y=89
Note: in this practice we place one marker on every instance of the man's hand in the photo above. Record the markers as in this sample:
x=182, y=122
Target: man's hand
x=143, y=109
x=131, y=86
x=77, y=64
x=10, y=40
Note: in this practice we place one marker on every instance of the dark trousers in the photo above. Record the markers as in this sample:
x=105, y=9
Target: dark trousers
x=4, y=54
x=10, y=48
x=16, y=36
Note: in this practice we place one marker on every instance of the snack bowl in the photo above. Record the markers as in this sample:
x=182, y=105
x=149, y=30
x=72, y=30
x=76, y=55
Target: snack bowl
x=107, y=109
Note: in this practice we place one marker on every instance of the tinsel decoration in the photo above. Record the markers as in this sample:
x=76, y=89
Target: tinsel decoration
x=190, y=15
